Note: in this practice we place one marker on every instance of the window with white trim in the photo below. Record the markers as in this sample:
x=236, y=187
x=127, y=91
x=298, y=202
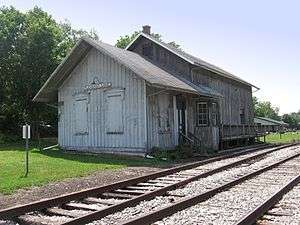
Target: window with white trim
x=201, y=114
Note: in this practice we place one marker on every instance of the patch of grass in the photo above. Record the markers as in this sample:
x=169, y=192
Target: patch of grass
x=54, y=165
x=287, y=137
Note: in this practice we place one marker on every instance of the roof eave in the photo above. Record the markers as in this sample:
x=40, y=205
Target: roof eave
x=226, y=76
x=58, y=68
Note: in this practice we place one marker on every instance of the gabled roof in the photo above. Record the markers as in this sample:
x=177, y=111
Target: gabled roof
x=190, y=58
x=140, y=66
x=268, y=121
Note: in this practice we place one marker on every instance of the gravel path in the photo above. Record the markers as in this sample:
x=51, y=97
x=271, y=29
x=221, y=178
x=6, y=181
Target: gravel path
x=99, y=178
x=195, y=187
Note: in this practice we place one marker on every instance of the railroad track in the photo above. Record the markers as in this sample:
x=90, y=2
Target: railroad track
x=99, y=203
x=283, y=211
x=239, y=201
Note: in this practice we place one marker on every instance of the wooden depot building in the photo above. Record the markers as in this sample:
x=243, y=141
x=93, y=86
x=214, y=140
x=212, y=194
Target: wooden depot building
x=149, y=95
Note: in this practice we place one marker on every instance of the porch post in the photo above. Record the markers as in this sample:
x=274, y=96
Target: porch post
x=175, y=127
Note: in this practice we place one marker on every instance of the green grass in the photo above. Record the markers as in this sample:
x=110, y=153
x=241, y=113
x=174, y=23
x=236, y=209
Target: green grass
x=54, y=165
x=287, y=137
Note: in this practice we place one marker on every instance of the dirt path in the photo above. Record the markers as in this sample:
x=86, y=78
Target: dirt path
x=24, y=196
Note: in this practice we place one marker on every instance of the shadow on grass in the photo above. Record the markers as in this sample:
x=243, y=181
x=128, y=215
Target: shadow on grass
x=86, y=158
x=104, y=158
x=19, y=145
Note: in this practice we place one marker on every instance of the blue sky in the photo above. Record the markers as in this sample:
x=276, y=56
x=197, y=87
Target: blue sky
x=256, y=40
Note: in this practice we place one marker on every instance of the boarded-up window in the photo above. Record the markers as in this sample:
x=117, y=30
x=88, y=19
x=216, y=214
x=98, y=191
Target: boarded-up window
x=114, y=112
x=81, y=115
x=148, y=50
x=163, y=57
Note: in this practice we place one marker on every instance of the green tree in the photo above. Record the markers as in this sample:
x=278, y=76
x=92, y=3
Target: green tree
x=123, y=41
x=265, y=109
x=293, y=119
x=32, y=44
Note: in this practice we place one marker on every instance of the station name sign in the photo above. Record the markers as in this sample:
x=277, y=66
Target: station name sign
x=96, y=84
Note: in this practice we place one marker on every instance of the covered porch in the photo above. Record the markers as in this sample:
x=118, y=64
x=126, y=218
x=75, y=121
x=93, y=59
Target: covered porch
x=176, y=117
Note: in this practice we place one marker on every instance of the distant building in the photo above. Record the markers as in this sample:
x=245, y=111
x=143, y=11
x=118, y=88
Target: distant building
x=151, y=94
x=270, y=124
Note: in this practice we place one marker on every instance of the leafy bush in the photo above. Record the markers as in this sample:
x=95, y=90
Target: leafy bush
x=4, y=139
x=180, y=152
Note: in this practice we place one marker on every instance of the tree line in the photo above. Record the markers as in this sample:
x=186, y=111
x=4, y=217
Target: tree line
x=32, y=44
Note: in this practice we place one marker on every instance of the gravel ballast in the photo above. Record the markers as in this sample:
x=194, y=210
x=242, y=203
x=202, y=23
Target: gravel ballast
x=286, y=212
x=196, y=187
x=230, y=206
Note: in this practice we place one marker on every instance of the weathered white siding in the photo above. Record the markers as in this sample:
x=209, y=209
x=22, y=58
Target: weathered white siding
x=97, y=138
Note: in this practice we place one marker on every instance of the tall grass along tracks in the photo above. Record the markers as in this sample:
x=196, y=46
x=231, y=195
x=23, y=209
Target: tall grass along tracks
x=112, y=204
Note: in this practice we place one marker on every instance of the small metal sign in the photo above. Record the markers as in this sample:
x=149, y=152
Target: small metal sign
x=26, y=136
x=26, y=131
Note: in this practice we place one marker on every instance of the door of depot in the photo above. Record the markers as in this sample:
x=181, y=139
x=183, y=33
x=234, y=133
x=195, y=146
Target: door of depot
x=182, y=115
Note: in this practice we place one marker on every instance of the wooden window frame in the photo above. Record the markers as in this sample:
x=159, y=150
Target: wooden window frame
x=242, y=116
x=204, y=115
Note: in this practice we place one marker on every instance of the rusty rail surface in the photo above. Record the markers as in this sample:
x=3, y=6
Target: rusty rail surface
x=254, y=215
x=191, y=201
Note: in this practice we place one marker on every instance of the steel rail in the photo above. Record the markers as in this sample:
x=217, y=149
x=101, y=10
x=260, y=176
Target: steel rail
x=191, y=201
x=15, y=211
x=258, y=212
x=131, y=202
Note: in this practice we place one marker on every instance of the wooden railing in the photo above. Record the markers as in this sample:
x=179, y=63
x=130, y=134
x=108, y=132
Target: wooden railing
x=192, y=141
x=195, y=139
x=184, y=139
x=244, y=130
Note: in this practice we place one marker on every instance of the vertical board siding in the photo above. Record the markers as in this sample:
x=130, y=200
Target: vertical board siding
x=236, y=96
x=96, y=64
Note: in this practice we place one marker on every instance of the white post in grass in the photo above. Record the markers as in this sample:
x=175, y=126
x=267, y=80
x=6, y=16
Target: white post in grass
x=26, y=136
